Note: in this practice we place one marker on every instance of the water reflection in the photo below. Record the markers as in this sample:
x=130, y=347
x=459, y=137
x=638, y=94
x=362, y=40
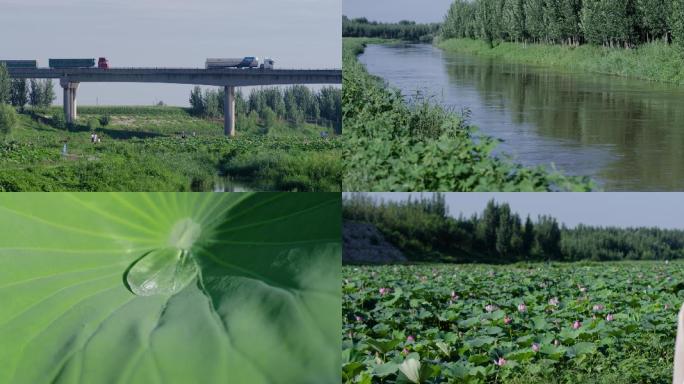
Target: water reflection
x=627, y=134
x=226, y=184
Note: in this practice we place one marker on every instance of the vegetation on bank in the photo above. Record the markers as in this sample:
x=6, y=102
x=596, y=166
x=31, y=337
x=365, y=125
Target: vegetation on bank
x=403, y=30
x=162, y=149
x=424, y=230
x=390, y=145
x=636, y=38
x=513, y=324
x=656, y=61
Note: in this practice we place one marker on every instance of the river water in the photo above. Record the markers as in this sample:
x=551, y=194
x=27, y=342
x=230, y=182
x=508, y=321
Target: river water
x=627, y=134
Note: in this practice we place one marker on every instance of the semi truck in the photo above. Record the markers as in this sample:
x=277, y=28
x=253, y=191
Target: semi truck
x=71, y=63
x=102, y=63
x=20, y=63
x=244, y=62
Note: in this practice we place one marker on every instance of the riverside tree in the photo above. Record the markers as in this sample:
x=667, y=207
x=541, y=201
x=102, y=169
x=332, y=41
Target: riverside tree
x=423, y=228
x=625, y=23
x=5, y=85
x=19, y=93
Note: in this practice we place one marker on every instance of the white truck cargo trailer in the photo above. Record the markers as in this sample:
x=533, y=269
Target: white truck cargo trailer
x=245, y=62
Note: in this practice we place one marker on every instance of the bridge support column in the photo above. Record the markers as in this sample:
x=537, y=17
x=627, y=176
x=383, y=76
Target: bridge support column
x=70, y=111
x=73, y=104
x=229, y=111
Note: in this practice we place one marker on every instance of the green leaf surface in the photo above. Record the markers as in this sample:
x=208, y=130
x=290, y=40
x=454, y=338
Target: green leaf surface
x=236, y=288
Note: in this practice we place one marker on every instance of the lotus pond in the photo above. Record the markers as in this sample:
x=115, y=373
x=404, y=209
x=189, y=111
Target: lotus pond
x=532, y=323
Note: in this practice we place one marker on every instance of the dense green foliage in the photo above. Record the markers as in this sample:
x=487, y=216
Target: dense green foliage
x=424, y=230
x=162, y=149
x=296, y=104
x=403, y=30
x=394, y=146
x=610, y=23
x=8, y=119
x=571, y=323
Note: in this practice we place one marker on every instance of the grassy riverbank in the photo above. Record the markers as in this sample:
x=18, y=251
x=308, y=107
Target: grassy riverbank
x=655, y=61
x=163, y=149
x=392, y=146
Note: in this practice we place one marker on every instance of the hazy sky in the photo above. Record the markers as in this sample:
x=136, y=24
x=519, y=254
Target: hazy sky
x=665, y=210
x=422, y=11
x=169, y=33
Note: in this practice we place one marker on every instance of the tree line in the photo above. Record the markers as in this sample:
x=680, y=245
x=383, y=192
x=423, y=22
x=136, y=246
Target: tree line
x=614, y=23
x=19, y=92
x=424, y=230
x=403, y=30
x=297, y=104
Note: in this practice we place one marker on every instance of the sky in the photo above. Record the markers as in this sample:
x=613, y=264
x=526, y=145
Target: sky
x=664, y=210
x=169, y=33
x=421, y=11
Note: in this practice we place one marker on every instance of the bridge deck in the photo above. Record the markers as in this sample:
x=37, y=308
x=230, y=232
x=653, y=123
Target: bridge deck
x=198, y=76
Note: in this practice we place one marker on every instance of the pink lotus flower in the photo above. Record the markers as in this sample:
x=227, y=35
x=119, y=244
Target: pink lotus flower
x=522, y=307
x=490, y=308
x=404, y=351
x=410, y=339
x=598, y=307
x=384, y=291
x=554, y=301
x=535, y=347
x=501, y=362
x=583, y=289
x=609, y=317
x=454, y=296
x=576, y=324
x=556, y=342
x=359, y=319
x=507, y=320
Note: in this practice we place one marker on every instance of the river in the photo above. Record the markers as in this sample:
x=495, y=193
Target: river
x=626, y=134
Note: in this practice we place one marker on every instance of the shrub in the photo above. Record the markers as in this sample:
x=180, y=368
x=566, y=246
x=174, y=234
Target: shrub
x=59, y=121
x=8, y=119
x=93, y=124
x=104, y=120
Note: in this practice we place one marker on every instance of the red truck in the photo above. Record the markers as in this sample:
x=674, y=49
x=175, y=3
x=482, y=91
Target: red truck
x=103, y=63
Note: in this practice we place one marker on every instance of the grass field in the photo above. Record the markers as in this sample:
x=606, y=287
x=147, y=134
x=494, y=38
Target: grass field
x=655, y=61
x=163, y=149
x=531, y=323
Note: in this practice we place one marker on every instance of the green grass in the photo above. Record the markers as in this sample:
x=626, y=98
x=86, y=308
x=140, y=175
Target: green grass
x=392, y=146
x=142, y=149
x=457, y=338
x=655, y=61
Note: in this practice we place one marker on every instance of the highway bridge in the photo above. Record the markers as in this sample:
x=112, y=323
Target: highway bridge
x=228, y=78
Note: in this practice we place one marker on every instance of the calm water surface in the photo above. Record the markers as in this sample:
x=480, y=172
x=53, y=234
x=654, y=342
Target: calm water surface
x=626, y=134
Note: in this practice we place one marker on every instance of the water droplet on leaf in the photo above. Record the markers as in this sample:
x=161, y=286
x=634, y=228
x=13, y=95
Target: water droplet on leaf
x=161, y=272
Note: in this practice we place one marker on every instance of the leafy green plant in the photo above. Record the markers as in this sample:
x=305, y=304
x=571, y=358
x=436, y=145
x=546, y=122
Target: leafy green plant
x=172, y=288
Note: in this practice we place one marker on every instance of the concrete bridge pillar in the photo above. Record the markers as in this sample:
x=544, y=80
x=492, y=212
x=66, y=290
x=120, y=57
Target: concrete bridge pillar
x=70, y=110
x=74, y=104
x=229, y=111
